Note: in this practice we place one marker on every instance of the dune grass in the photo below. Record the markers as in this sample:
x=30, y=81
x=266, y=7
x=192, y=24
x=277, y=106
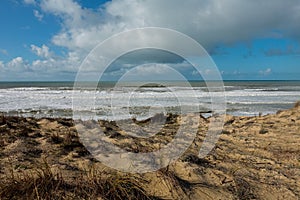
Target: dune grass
x=43, y=183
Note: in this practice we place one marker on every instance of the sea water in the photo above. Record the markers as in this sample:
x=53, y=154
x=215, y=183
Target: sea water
x=55, y=99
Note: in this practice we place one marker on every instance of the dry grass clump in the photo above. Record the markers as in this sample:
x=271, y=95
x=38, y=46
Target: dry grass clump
x=55, y=138
x=40, y=184
x=297, y=104
x=22, y=126
x=43, y=183
x=2, y=119
x=113, y=185
x=244, y=190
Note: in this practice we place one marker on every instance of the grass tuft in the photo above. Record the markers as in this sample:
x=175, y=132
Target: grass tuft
x=42, y=183
x=297, y=104
x=38, y=184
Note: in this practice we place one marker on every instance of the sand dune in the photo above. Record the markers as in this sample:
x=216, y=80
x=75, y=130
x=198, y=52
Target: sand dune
x=255, y=158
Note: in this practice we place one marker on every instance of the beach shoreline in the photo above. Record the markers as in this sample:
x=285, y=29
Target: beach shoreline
x=255, y=158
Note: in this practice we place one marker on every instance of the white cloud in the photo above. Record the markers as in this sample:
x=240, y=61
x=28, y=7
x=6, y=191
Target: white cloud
x=154, y=69
x=195, y=72
x=236, y=72
x=41, y=51
x=70, y=11
x=29, y=2
x=152, y=72
x=17, y=65
x=38, y=15
x=16, y=61
x=4, y=51
x=265, y=72
x=50, y=68
x=209, y=22
x=1, y=65
x=58, y=7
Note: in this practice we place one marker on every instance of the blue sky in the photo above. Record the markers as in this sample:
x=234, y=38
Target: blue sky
x=48, y=39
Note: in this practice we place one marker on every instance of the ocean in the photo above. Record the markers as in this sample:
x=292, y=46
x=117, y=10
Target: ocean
x=54, y=99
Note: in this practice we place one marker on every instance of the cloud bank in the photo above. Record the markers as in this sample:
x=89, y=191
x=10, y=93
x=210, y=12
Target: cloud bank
x=210, y=22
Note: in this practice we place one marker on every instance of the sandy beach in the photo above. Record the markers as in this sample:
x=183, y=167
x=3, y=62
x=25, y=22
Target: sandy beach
x=255, y=158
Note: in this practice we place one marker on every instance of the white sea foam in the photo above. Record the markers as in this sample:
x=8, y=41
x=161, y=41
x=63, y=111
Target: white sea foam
x=110, y=103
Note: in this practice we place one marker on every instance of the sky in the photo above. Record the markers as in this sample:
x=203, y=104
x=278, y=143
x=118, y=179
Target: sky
x=47, y=40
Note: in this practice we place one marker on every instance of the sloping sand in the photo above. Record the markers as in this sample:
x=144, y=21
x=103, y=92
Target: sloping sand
x=255, y=158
